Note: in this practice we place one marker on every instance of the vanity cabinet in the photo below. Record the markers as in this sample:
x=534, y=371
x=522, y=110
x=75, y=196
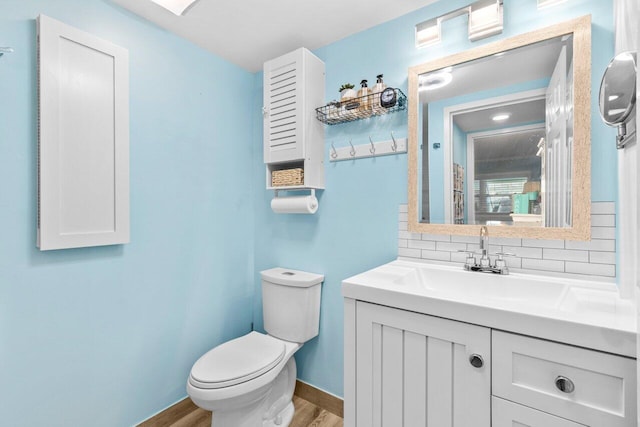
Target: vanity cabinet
x=404, y=368
x=418, y=370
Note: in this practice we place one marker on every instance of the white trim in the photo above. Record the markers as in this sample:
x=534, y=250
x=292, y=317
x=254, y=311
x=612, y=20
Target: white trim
x=449, y=112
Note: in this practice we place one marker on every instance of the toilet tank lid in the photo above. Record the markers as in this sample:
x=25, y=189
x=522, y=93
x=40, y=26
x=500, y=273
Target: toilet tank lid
x=288, y=277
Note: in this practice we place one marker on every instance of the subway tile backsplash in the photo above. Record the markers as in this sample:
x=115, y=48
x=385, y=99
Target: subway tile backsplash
x=594, y=258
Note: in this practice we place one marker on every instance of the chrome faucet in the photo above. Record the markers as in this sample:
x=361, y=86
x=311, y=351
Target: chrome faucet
x=485, y=266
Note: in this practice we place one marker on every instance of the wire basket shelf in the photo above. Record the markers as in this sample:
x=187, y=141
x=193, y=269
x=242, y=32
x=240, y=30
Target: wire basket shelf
x=359, y=108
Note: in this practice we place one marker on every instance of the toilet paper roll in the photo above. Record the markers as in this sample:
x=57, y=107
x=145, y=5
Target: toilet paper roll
x=295, y=204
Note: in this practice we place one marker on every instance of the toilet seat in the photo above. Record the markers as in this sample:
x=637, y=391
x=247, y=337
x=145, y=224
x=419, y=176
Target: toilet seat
x=237, y=361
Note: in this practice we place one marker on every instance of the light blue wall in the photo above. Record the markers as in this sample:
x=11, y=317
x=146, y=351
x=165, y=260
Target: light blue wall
x=106, y=336
x=356, y=226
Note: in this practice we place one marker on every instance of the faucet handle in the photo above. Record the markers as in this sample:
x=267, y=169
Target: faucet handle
x=501, y=264
x=471, y=258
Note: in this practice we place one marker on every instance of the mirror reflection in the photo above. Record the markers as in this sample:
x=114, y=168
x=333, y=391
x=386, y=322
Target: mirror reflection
x=497, y=138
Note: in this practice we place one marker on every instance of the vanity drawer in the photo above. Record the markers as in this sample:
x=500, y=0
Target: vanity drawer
x=509, y=414
x=586, y=386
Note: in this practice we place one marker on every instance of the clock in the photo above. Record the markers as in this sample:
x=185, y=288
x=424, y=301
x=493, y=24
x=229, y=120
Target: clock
x=388, y=98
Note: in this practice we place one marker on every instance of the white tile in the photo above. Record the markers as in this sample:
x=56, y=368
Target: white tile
x=505, y=241
x=602, y=257
x=603, y=208
x=403, y=226
x=422, y=244
x=593, y=245
x=603, y=233
x=538, y=243
x=565, y=255
x=542, y=264
x=411, y=253
x=403, y=208
x=403, y=243
x=408, y=235
x=436, y=237
x=436, y=255
x=523, y=251
x=465, y=239
x=460, y=257
x=451, y=247
x=603, y=220
x=591, y=269
x=403, y=217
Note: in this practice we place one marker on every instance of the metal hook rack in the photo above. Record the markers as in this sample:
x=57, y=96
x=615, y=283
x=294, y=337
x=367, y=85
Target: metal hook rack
x=372, y=149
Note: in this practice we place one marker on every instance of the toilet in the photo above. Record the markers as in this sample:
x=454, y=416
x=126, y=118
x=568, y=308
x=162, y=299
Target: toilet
x=249, y=381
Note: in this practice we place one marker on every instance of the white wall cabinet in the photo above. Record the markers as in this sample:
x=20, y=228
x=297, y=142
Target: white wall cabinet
x=293, y=137
x=83, y=139
x=410, y=369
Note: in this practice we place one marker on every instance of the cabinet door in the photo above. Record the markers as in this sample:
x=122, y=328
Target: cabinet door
x=283, y=105
x=509, y=414
x=415, y=370
x=83, y=139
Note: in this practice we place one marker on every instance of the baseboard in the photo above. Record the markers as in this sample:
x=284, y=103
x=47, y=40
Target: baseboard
x=170, y=415
x=320, y=398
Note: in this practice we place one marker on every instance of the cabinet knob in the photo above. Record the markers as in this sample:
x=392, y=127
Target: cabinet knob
x=476, y=361
x=564, y=384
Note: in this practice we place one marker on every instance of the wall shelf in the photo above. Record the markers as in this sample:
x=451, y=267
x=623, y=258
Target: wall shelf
x=360, y=108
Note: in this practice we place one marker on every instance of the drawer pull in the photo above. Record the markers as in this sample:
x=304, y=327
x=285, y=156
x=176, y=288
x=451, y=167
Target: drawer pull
x=476, y=361
x=564, y=384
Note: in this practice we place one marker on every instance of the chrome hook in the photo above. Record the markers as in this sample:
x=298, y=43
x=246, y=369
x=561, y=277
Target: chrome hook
x=372, y=150
x=394, y=146
x=353, y=149
x=334, y=153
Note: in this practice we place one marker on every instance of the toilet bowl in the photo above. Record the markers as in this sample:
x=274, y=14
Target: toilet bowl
x=249, y=381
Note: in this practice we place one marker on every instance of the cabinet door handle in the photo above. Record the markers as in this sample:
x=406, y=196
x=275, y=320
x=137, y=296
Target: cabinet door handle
x=476, y=361
x=564, y=384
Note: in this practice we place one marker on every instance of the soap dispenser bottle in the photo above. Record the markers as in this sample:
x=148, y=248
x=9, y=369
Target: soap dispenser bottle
x=364, y=96
x=375, y=93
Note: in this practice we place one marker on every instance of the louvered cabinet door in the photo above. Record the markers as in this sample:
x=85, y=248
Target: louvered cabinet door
x=415, y=370
x=283, y=108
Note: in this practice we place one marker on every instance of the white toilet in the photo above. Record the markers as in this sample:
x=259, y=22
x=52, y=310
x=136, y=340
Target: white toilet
x=249, y=381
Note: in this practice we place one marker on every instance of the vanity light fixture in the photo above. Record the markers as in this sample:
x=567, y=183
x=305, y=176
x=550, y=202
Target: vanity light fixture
x=500, y=117
x=177, y=7
x=485, y=19
x=548, y=3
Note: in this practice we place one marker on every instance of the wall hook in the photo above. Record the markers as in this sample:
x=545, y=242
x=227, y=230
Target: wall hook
x=394, y=145
x=334, y=153
x=372, y=150
x=353, y=150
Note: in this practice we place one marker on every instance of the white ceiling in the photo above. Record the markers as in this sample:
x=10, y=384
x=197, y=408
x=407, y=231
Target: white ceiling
x=250, y=32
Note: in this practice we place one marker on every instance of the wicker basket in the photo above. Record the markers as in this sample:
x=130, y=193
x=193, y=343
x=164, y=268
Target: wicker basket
x=287, y=177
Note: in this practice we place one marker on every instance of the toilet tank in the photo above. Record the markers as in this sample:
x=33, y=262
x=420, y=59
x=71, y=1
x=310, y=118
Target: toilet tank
x=291, y=303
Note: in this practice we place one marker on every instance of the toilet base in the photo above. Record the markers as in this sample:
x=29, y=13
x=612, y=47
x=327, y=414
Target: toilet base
x=271, y=406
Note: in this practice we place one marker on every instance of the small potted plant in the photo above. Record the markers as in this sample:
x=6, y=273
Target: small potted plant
x=346, y=92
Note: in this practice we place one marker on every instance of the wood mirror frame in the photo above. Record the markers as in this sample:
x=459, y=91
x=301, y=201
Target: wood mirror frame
x=581, y=159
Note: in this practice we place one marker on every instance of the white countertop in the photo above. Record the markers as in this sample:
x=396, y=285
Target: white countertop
x=578, y=312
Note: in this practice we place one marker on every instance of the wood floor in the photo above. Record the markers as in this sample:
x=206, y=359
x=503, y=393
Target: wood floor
x=186, y=414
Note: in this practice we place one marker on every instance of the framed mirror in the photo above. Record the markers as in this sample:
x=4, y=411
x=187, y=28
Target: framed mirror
x=499, y=136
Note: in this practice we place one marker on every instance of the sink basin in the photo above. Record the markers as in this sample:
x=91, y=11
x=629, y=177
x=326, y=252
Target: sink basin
x=447, y=282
